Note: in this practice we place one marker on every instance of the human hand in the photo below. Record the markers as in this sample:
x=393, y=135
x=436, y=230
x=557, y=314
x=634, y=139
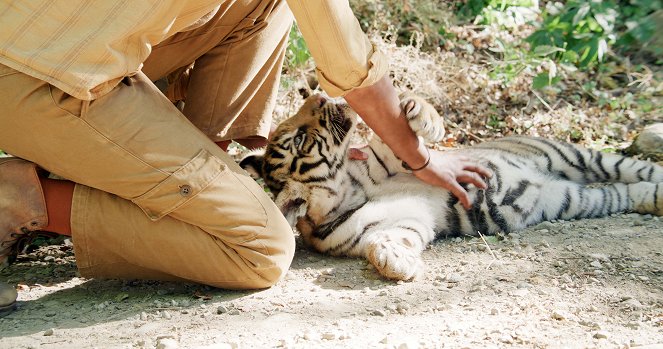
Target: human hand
x=449, y=169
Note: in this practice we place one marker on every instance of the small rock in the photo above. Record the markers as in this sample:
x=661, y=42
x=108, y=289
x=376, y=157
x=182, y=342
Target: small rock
x=167, y=343
x=601, y=335
x=506, y=338
x=311, y=336
x=402, y=308
x=633, y=304
x=560, y=315
x=596, y=264
x=523, y=285
x=143, y=316
x=233, y=312
x=590, y=324
x=546, y=225
x=494, y=311
x=329, y=336
x=406, y=345
x=649, y=142
x=453, y=278
x=633, y=325
x=377, y=312
x=221, y=309
x=166, y=315
x=48, y=332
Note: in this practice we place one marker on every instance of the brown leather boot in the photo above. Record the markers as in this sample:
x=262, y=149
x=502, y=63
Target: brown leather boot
x=22, y=205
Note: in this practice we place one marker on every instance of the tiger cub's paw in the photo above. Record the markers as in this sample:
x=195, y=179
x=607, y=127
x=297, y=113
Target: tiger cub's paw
x=423, y=118
x=394, y=259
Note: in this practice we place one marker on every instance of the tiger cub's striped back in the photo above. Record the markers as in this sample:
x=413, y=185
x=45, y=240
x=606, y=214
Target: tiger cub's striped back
x=378, y=210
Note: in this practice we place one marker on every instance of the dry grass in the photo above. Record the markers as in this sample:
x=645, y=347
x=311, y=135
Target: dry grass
x=481, y=80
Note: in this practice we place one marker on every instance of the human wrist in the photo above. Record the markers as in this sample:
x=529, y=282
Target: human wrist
x=417, y=159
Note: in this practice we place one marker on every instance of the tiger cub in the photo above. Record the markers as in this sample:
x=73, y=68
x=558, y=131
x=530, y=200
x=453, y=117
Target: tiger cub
x=378, y=210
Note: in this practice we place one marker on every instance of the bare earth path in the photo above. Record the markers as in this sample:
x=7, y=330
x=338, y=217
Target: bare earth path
x=584, y=284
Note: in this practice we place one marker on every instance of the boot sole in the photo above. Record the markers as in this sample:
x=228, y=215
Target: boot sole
x=7, y=309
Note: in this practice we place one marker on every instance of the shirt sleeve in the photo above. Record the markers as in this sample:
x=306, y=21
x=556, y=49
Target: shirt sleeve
x=344, y=56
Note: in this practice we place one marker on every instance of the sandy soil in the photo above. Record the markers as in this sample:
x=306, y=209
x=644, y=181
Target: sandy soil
x=583, y=284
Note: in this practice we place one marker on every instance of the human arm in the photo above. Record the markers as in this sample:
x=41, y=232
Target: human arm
x=379, y=107
x=348, y=65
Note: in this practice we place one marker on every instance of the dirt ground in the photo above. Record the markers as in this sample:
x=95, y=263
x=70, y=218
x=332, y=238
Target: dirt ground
x=584, y=284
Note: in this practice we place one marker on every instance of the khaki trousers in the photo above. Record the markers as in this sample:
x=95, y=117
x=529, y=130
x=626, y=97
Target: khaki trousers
x=155, y=197
x=231, y=90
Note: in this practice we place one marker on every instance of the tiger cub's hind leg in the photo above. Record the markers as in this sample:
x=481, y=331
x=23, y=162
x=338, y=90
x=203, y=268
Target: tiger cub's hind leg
x=422, y=117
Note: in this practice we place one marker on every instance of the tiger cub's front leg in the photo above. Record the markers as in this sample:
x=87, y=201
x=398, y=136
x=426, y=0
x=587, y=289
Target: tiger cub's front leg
x=422, y=117
x=395, y=250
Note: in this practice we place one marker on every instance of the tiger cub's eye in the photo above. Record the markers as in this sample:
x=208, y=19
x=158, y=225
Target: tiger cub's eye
x=297, y=141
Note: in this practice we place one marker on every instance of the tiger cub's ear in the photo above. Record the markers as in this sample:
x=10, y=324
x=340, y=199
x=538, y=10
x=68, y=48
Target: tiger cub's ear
x=252, y=163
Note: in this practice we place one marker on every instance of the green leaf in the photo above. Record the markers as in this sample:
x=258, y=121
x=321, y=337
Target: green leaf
x=602, y=49
x=581, y=14
x=544, y=79
x=544, y=50
x=570, y=56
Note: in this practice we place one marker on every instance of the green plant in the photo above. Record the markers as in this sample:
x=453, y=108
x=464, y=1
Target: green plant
x=514, y=60
x=582, y=32
x=507, y=13
x=579, y=34
x=297, y=54
x=421, y=20
x=495, y=122
x=636, y=24
x=469, y=9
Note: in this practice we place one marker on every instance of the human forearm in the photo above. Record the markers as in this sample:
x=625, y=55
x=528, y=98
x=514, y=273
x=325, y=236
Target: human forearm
x=379, y=107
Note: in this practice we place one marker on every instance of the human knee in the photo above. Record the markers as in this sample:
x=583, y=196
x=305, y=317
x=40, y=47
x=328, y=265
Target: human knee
x=279, y=252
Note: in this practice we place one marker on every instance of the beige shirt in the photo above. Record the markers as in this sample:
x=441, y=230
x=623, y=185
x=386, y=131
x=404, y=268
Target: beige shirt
x=85, y=47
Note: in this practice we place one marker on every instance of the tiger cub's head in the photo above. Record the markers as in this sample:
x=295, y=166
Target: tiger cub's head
x=309, y=146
